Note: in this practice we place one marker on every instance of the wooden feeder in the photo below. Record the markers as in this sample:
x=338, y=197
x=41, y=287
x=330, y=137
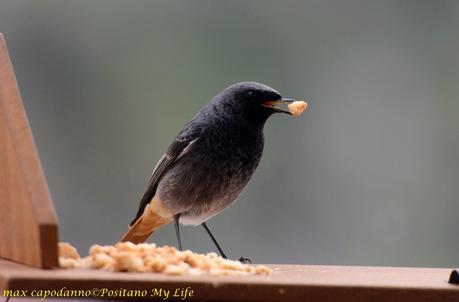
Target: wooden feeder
x=29, y=237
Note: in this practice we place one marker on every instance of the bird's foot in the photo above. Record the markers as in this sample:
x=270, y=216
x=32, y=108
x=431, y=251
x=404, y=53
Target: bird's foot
x=454, y=277
x=245, y=260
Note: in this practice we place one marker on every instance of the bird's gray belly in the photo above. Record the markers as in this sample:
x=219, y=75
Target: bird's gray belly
x=199, y=187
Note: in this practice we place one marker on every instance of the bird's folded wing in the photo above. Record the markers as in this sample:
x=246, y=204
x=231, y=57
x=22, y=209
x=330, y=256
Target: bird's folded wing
x=182, y=144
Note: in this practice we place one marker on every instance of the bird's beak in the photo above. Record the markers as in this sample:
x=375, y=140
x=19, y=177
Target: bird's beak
x=277, y=105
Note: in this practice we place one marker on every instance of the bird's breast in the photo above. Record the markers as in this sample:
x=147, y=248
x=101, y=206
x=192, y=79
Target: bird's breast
x=213, y=174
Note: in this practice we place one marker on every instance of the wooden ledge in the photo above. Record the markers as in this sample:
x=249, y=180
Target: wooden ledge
x=287, y=283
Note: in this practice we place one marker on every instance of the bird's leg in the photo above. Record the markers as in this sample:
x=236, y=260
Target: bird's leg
x=242, y=259
x=177, y=231
x=204, y=225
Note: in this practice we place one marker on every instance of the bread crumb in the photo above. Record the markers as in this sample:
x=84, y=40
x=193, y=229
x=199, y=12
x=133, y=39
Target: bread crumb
x=67, y=262
x=144, y=257
x=66, y=250
x=297, y=107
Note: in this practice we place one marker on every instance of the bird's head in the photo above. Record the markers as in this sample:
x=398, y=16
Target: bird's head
x=253, y=102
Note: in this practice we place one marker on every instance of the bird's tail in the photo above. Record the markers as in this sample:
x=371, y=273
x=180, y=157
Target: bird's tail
x=154, y=216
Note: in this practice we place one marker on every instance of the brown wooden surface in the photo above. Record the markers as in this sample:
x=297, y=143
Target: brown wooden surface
x=28, y=223
x=287, y=283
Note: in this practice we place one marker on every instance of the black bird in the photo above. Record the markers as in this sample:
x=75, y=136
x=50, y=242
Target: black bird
x=210, y=161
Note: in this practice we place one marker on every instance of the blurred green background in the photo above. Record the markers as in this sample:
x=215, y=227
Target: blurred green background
x=367, y=176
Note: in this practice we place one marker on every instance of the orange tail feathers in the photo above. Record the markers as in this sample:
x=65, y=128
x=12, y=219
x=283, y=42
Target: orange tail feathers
x=155, y=215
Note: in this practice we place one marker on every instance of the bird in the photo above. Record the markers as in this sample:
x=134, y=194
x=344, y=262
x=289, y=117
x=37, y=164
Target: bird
x=210, y=161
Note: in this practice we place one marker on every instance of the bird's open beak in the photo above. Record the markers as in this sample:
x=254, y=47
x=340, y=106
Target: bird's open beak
x=277, y=105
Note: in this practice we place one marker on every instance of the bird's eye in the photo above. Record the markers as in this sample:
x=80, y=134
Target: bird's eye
x=250, y=93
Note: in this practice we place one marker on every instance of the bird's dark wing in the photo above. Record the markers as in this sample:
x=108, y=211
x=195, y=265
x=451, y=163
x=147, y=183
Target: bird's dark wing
x=182, y=144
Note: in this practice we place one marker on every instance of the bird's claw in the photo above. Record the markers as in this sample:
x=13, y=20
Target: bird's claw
x=245, y=260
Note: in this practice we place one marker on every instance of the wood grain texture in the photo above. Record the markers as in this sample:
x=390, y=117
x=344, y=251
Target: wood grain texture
x=28, y=222
x=287, y=283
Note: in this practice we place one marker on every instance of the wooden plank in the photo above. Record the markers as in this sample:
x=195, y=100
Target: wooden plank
x=287, y=283
x=28, y=222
